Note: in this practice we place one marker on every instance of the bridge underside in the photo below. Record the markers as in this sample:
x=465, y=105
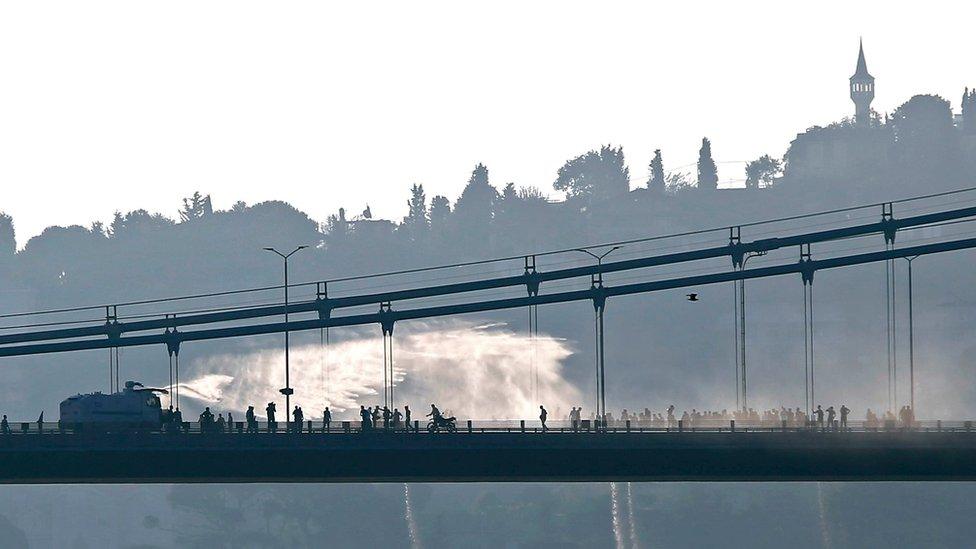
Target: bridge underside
x=491, y=457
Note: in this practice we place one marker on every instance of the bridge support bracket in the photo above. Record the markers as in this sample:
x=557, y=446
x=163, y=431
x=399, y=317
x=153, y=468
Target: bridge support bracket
x=806, y=265
x=532, y=277
x=322, y=302
x=888, y=224
x=386, y=318
x=736, y=250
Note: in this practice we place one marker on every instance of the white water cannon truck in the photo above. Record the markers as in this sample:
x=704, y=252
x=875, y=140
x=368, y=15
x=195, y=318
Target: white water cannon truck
x=135, y=407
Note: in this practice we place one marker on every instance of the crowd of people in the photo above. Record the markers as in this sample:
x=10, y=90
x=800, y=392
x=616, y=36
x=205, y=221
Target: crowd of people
x=382, y=417
x=819, y=417
x=375, y=417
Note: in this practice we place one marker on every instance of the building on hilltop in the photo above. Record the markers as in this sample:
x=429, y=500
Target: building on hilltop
x=840, y=150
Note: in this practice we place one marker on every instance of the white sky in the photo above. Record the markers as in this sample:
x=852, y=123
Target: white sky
x=110, y=106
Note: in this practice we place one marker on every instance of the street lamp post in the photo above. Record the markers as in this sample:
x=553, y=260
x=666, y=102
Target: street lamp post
x=742, y=327
x=911, y=337
x=287, y=391
x=599, y=305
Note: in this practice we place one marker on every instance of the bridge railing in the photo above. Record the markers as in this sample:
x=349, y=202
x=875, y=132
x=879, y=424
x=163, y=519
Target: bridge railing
x=501, y=426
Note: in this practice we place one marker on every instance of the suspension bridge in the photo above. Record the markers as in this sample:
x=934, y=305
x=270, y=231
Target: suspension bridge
x=935, y=452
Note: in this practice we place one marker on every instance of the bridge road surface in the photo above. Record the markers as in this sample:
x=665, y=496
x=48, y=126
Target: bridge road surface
x=487, y=457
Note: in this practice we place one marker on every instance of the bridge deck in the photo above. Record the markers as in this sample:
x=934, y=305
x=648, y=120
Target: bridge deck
x=490, y=456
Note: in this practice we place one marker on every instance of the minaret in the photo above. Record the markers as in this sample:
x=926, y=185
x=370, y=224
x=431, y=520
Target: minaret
x=862, y=90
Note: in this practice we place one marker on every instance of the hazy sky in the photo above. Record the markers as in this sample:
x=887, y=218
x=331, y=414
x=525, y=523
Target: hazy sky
x=110, y=106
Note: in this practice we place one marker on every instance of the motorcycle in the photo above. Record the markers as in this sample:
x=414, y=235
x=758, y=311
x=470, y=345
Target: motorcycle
x=445, y=424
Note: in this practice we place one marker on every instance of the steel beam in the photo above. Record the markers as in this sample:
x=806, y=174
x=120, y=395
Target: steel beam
x=490, y=305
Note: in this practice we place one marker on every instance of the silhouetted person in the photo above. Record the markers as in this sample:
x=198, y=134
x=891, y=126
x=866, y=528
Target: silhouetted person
x=252, y=422
x=831, y=414
x=434, y=414
x=406, y=417
x=206, y=420
x=220, y=423
x=397, y=416
x=366, y=418
x=844, y=412
x=905, y=414
x=671, y=422
x=326, y=420
x=543, y=414
x=4, y=426
x=299, y=417
x=820, y=419
x=387, y=415
x=375, y=419
x=270, y=411
x=230, y=423
x=178, y=419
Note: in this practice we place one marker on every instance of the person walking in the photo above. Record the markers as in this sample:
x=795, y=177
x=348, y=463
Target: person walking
x=406, y=416
x=543, y=414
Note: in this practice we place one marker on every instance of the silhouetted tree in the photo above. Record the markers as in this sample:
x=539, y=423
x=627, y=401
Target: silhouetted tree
x=508, y=203
x=707, y=172
x=440, y=211
x=595, y=175
x=8, y=240
x=762, y=171
x=655, y=180
x=969, y=112
x=509, y=192
x=925, y=140
x=676, y=182
x=98, y=228
x=138, y=221
x=475, y=208
x=337, y=227
x=416, y=219
x=196, y=207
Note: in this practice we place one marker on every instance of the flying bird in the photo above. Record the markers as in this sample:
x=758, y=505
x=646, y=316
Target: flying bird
x=692, y=297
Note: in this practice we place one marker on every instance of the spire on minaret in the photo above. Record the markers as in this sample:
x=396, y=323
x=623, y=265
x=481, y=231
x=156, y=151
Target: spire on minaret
x=862, y=89
x=862, y=65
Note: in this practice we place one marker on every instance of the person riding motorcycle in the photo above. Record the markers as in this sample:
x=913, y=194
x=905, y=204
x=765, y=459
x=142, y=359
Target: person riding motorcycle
x=438, y=420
